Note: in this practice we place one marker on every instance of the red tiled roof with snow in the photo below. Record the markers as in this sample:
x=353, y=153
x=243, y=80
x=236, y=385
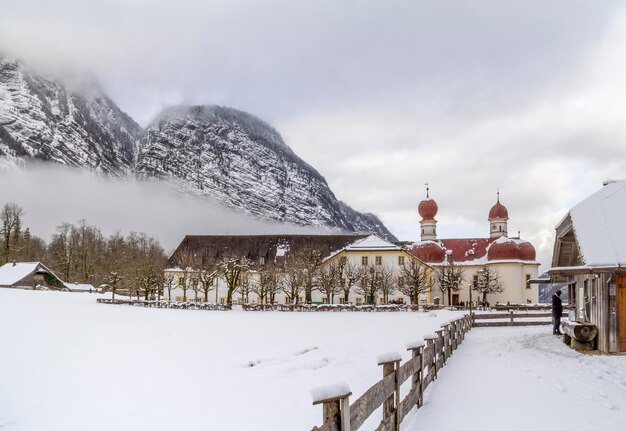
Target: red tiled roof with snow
x=463, y=249
x=474, y=250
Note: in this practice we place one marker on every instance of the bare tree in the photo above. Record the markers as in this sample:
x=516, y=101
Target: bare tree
x=413, y=280
x=246, y=286
x=488, y=282
x=351, y=275
x=368, y=285
x=449, y=278
x=291, y=282
x=207, y=274
x=386, y=281
x=185, y=259
x=309, y=260
x=266, y=285
x=231, y=269
x=168, y=281
x=10, y=229
x=328, y=278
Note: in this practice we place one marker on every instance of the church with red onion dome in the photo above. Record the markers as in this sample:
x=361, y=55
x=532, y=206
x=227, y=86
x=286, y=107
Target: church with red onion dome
x=512, y=258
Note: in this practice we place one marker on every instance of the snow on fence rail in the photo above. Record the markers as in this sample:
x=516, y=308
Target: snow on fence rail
x=165, y=304
x=328, y=307
x=427, y=358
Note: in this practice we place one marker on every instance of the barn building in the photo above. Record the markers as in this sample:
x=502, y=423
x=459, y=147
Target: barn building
x=29, y=275
x=590, y=256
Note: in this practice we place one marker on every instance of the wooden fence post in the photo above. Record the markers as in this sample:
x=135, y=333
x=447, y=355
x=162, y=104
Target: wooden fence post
x=418, y=378
x=446, y=342
x=439, y=350
x=336, y=409
x=391, y=364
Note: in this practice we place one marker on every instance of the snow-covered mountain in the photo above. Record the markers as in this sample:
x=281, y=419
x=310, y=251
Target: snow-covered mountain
x=243, y=162
x=221, y=153
x=43, y=119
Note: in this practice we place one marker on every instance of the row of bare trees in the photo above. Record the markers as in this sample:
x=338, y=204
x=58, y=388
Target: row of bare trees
x=303, y=274
x=80, y=253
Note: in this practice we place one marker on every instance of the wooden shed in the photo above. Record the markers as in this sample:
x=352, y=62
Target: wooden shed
x=590, y=256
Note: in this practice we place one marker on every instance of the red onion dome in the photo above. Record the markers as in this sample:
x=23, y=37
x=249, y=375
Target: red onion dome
x=429, y=251
x=503, y=249
x=498, y=211
x=527, y=251
x=428, y=209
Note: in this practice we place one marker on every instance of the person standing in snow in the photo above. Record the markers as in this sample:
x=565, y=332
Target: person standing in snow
x=557, y=310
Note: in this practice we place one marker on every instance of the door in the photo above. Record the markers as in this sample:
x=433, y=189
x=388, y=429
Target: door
x=621, y=307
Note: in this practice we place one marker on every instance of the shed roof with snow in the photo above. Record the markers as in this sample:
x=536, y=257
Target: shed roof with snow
x=22, y=274
x=593, y=232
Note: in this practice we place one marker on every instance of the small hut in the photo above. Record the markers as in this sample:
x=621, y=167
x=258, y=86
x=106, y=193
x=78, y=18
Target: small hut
x=29, y=275
x=590, y=256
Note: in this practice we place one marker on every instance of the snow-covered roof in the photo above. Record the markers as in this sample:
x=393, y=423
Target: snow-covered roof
x=11, y=273
x=600, y=225
x=372, y=242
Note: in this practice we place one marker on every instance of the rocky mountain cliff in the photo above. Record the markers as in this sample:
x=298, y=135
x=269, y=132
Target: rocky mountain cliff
x=43, y=119
x=217, y=152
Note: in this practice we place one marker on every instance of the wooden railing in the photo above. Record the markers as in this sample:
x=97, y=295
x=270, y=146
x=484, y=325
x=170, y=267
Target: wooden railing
x=329, y=307
x=511, y=319
x=165, y=304
x=427, y=358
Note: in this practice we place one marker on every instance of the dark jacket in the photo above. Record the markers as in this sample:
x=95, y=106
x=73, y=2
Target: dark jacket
x=557, y=305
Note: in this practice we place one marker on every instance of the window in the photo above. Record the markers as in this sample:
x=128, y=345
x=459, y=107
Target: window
x=181, y=281
x=222, y=301
x=475, y=280
x=262, y=260
x=528, y=281
x=364, y=260
x=359, y=301
x=342, y=260
x=342, y=300
x=324, y=300
x=400, y=260
x=378, y=260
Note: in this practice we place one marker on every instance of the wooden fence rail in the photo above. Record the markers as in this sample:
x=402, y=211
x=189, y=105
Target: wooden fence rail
x=511, y=319
x=427, y=358
x=165, y=304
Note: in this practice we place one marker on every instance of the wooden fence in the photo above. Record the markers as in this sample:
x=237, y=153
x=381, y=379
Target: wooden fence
x=166, y=304
x=329, y=307
x=427, y=358
x=511, y=319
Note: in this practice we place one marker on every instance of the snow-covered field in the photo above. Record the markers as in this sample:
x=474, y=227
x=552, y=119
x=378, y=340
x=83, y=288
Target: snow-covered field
x=68, y=363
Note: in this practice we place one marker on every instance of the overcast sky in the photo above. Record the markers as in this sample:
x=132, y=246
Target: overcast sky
x=379, y=96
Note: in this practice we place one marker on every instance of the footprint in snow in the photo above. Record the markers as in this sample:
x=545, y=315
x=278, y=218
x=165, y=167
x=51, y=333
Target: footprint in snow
x=562, y=388
x=307, y=350
x=611, y=406
x=603, y=394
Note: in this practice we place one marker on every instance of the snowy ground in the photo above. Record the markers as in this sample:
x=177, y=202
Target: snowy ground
x=68, y=363
x=523, y=379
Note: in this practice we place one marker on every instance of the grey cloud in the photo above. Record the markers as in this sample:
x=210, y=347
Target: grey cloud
x=52, y=194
